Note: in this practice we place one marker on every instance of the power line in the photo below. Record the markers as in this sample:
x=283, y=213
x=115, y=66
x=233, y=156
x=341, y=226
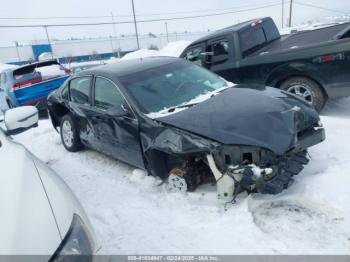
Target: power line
x=139, y=15
x=320, y=7
x=141, y=21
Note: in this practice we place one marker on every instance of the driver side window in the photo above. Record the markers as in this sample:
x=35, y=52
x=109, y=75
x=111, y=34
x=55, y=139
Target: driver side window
x=107, y=94
x=195, y=55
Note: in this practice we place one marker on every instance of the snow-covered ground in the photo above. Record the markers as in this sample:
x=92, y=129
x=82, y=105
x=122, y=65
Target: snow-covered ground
x=132, y=214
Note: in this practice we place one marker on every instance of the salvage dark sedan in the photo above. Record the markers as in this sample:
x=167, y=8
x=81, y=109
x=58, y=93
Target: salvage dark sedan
x=187, y=125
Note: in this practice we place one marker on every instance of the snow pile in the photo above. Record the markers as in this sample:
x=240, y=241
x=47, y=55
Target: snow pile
x=174, y=48
x=125, y=205
x=140, y=54
x=6, y=66
x=51, y=71
x=171, y=49
x=46, y=56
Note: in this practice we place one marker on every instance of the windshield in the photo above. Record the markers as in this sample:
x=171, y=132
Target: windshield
x=171, y=85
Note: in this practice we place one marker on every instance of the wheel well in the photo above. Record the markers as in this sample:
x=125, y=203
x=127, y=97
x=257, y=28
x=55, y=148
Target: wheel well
x=160, y=163
x=279, y=82
x=57, y=111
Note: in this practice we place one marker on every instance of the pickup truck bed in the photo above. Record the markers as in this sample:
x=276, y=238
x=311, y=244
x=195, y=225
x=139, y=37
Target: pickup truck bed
x=306, y=38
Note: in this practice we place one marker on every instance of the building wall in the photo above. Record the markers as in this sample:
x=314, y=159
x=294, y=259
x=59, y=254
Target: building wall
x=9, y=54
x=72, y=48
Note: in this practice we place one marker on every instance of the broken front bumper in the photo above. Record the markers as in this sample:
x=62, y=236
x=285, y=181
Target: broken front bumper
x=259, y=170
x=309, y=138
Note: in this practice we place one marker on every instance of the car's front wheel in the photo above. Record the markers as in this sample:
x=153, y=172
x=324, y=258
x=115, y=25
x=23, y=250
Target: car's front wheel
x=70, y=134
x=306, y=88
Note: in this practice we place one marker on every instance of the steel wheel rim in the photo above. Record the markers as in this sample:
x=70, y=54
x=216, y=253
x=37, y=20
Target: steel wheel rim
x=302, y=91
x=67, y=134
x=177, y=184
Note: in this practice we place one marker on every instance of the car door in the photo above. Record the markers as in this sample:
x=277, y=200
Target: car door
x=118, y=135
x=222, y=57
x=80, y=106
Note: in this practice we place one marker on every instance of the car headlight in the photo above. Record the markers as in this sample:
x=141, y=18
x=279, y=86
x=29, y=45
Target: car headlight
x=77, y=245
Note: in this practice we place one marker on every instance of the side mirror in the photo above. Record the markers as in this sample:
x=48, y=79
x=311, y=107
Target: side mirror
x=19, y=119
x=206, y=54
x=118, y=111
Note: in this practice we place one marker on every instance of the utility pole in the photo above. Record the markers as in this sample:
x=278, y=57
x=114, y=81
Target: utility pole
x=16, y=45
x=290, y=13
x=166, y=29
x=115, y=35
x=48, y=40
x=137, y=34
x=282, y=13
x=111, y=40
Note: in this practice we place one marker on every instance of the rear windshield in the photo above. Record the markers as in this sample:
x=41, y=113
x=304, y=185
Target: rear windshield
x=254, y=37
x=251, y=37
x=44, y=70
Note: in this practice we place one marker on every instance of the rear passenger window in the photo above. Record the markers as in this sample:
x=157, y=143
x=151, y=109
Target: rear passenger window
x=80, y=89
x=107, y=94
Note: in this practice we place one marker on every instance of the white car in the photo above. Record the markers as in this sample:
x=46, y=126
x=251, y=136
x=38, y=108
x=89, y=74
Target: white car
x=3, y=103
x=39, y=214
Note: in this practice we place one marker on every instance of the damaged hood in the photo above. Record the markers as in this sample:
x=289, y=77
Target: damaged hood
x=257, y=116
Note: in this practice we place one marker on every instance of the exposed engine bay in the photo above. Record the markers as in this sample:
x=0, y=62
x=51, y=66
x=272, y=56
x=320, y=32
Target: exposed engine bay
x=235, y=169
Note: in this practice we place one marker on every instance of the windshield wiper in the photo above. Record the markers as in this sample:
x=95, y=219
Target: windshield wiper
x=172, y=109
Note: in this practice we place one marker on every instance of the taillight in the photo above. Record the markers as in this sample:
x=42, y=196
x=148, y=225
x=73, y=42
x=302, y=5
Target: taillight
x=27, y=83
x=255, y=23
x=16, y=85
x=329, y=58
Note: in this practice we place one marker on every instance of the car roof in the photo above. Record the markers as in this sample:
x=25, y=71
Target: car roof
x=127, y=67
x=228, y=30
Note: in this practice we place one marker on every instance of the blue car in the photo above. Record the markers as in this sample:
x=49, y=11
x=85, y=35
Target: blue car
x=30, y=84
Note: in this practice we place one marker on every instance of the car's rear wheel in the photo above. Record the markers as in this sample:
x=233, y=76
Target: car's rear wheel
x=306, y=88
x=70, y=134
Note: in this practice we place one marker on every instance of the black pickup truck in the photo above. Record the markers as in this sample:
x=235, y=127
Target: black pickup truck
x=313, y=64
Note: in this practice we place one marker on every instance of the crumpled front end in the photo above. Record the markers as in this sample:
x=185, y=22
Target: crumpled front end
x=240, y=168
x=188, y=160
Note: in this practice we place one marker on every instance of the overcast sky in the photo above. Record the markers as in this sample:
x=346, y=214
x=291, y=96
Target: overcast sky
x=122, y=8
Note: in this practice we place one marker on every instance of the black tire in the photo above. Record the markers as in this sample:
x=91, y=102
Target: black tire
x=71, y=141
x=317, y=97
